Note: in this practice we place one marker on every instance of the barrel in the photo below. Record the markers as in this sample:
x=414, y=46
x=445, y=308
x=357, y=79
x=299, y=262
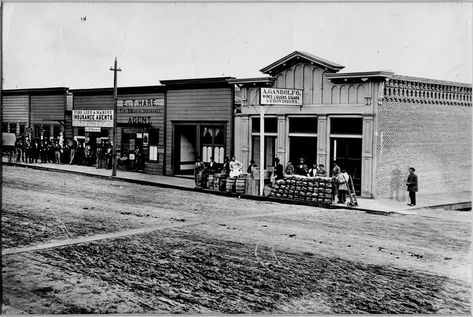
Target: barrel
x=222, y=184
x=240, y=185
x=230, y=187
x=210, y=182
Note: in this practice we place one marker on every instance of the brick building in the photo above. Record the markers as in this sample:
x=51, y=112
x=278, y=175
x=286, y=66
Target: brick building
x=427, y=124
x=374, y=124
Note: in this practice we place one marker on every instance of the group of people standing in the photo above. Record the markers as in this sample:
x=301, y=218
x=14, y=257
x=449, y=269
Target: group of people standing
x=342, y=181
x=45, y=151
x=66, y=152
x=303, y=169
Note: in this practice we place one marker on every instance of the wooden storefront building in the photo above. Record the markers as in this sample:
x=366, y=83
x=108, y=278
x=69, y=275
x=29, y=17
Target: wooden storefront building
x=45, y=111
x=199, y=122
x=140, y=121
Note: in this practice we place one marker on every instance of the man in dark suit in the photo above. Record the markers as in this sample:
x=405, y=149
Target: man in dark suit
x=212, y=166
x=412, y=186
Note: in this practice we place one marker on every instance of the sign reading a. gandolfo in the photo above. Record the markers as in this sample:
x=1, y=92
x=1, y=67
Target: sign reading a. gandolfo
x=281, y=96
x=92, y=118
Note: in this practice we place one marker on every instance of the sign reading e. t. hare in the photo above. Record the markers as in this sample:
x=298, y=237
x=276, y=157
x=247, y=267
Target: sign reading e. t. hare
x=281, y=96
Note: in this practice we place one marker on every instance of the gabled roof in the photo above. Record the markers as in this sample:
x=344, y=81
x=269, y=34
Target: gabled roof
x=296, y=57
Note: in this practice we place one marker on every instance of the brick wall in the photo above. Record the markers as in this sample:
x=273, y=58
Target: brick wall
x=435, y=138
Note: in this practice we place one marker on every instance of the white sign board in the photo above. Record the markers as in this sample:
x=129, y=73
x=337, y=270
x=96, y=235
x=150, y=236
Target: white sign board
x=280, y=96
x=93, y=129
x=92, y=118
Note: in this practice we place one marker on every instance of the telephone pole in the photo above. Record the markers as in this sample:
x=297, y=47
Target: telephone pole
x=114, y=147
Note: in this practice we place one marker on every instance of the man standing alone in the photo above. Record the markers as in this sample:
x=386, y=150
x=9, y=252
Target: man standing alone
x=412, y=186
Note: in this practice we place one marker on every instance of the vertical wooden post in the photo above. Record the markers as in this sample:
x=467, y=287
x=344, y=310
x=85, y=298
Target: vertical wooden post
x=261, y=151
x=114, y=147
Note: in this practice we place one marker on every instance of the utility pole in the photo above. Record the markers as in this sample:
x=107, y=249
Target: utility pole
x=114, y=148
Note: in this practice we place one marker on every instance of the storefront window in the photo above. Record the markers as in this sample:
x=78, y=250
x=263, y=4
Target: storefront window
x=4, y=127
x=269, y=150
x=81, y=131
x=270, y=140
x=346, y=126
x=46, y=132
x=270, y=125
x=303, y=125
x=12, y=127
x=213, y=143
x=303, y=140
x=37, y=131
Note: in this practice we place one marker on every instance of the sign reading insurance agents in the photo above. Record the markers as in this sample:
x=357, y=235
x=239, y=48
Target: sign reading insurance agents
x=281, y=96
x=92, y=118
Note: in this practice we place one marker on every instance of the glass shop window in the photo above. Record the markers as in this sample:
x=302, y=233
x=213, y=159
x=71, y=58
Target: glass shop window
x=213, y=143
x=303, y=125
x=270, y=125
x=346, y=126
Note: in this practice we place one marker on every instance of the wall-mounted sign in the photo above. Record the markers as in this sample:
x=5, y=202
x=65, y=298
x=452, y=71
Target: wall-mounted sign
x=136, y=112
x=280, y=96
x=92, y=118
x=93, y=129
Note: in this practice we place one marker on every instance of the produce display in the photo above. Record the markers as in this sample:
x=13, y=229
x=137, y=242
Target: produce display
x=312, y=189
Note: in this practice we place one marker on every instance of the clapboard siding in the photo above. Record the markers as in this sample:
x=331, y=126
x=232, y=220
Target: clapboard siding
x=68, y=132
x=198, y=105
x=46, y=108
x=93, y=102
x=15, y=108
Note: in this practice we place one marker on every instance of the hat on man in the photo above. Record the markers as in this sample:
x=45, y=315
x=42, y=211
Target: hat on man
x=413, y=169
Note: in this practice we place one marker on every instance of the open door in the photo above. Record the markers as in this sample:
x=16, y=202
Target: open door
x=347, y=153
x=185, y=154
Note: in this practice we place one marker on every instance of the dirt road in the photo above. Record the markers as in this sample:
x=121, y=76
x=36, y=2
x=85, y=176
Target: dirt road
x=157, y=250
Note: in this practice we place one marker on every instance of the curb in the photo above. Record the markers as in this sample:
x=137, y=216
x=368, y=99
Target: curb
x=207, y=191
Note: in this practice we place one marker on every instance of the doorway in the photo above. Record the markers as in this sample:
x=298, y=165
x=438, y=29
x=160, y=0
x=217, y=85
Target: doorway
x=347, y=153
x=185, y=145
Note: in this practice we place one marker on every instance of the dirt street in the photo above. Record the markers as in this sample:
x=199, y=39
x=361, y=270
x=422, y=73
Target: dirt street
x=76, y=244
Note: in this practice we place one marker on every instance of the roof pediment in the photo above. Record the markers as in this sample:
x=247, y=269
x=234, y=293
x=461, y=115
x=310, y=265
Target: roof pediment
x=298, y=57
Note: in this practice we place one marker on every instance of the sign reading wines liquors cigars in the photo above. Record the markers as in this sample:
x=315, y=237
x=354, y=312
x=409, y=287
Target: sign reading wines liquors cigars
x=280, y=96
x=92, y=118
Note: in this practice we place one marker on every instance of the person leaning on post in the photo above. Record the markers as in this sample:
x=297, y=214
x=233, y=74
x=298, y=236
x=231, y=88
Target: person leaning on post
x=412, y=186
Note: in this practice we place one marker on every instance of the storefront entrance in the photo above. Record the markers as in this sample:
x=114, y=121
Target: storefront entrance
x=347, y=153
x=134, y=147
x=204, y=140
x=185, y=142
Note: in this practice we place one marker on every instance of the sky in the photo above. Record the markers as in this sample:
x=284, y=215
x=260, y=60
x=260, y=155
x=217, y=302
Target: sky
x=74, y=44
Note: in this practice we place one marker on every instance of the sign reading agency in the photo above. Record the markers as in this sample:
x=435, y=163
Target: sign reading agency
x=281, y=96
x=92, y=118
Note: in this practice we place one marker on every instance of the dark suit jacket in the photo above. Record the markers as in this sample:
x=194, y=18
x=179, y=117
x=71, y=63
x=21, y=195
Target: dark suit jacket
x=412, y=182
